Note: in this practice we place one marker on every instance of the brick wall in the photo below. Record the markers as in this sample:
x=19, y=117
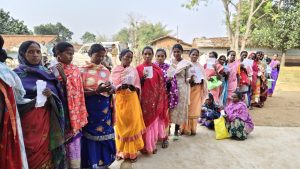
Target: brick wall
x=12, y=41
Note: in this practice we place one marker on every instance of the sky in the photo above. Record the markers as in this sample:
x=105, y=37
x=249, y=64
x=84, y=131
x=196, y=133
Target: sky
x=108, y=17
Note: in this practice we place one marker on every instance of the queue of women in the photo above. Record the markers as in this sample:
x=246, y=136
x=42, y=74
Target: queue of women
x=93, y=117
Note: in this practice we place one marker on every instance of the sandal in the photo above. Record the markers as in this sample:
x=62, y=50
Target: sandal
x=118, y=158
x=133, y=160
x=154, y=151
x=165, y=144
x=193, y=133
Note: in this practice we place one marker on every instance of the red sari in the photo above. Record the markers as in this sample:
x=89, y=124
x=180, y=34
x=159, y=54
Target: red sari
x=10, y=152
x=154, y=103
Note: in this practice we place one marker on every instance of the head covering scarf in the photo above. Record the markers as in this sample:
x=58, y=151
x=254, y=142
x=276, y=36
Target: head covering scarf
x=29, y=74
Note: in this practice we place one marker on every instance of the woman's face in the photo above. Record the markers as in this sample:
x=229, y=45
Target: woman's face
x=232, y=57
x=194, y=56
x=235, y=98
x=208, y=101
x=160, y=57
x=243, y=56
x=148, y=55
x=66, y=56
x=127, y=59
x=98, y=57
x=177, y=54
x=33, y=54
x=210, y=55
x=222, y=60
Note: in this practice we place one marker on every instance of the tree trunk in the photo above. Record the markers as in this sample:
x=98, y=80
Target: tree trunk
x=237, y=27
x=228, y=24
x=249, y=21
x=282, y=62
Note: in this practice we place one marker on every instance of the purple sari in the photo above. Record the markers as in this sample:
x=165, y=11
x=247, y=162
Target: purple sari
x=172, y=88
x=239, y=111
x=274, y=75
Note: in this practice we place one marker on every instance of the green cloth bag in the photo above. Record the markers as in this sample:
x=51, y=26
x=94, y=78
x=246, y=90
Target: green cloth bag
x=214, y=83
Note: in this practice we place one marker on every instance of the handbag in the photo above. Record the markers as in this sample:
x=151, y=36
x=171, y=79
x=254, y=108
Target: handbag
x=221, y=129
x=213, y=83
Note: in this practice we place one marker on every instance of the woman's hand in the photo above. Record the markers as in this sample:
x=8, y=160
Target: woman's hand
x=61, y=72
x=47, y=92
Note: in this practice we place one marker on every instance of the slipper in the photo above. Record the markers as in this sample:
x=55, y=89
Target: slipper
x=133, y=160
x=165, y=144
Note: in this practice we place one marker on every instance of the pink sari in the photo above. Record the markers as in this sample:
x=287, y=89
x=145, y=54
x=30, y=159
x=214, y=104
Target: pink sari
x=209, y=74
x=232, y=80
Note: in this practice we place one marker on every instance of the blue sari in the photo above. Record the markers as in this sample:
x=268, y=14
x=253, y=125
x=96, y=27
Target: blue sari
x=98, y=141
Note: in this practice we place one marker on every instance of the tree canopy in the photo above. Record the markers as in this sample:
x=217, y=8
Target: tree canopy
x=10, y=25
x=62, y=32
x=88, y=37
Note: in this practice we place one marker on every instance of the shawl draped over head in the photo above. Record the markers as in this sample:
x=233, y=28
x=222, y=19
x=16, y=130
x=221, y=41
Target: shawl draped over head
x=120, y=75
x=29, y=74
x=239, y=111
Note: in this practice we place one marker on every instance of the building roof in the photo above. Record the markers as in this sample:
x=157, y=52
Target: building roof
x=170, y=37
x=13, y=41
x=218, y=42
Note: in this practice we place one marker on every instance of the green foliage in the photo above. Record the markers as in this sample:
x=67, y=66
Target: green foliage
x=63, y=33
x=281, y=31
x=9, y=25
x=88, y=37
x=141, y=34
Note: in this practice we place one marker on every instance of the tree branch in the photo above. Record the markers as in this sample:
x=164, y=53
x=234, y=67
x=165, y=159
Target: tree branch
x=258, y=7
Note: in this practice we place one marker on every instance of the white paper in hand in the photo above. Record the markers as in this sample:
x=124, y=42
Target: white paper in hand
x=171, y=72
x=210, y=62
x=199, y=75
x=248, y=62
x=149, y=71
x=129, y=80
x=53, y=68
x=40, y=99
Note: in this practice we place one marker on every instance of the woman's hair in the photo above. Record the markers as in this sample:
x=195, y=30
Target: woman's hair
x=244, y=52
x=148, y=47
x=3, y=54
x=177, y=46
x=228, y=53
x=192, y=50
x=163, y=51
x=239, y=95
x=61, y=47
x=95, y=48
x=215, y=54
x=124, y=52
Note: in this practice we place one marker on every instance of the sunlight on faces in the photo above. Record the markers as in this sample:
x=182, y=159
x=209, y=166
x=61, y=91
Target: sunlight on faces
x=33, y=54
x=194, y=56
x=235, y=98
x=232, y=56
x=127, y=59
x=148, y=55
x=160, y=57
x=222, y=60
x=66, y=56
x=177, y=54
x=98, y=57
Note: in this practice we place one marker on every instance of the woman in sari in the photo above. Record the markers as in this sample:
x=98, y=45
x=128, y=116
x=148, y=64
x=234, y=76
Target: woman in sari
x=245, y=75
x=233, y=75
x=255, y=83
x=209, y=112
x=12, y=150
x=198, y=93
x=224, y=78
x=43, y=127
x=179, y=115
x=154, y=101
x=98, y=141
x=73, y=90
x=239, y=122
x=129, y=123
x=170, y=83
x=275, y=66
x=214, y=73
